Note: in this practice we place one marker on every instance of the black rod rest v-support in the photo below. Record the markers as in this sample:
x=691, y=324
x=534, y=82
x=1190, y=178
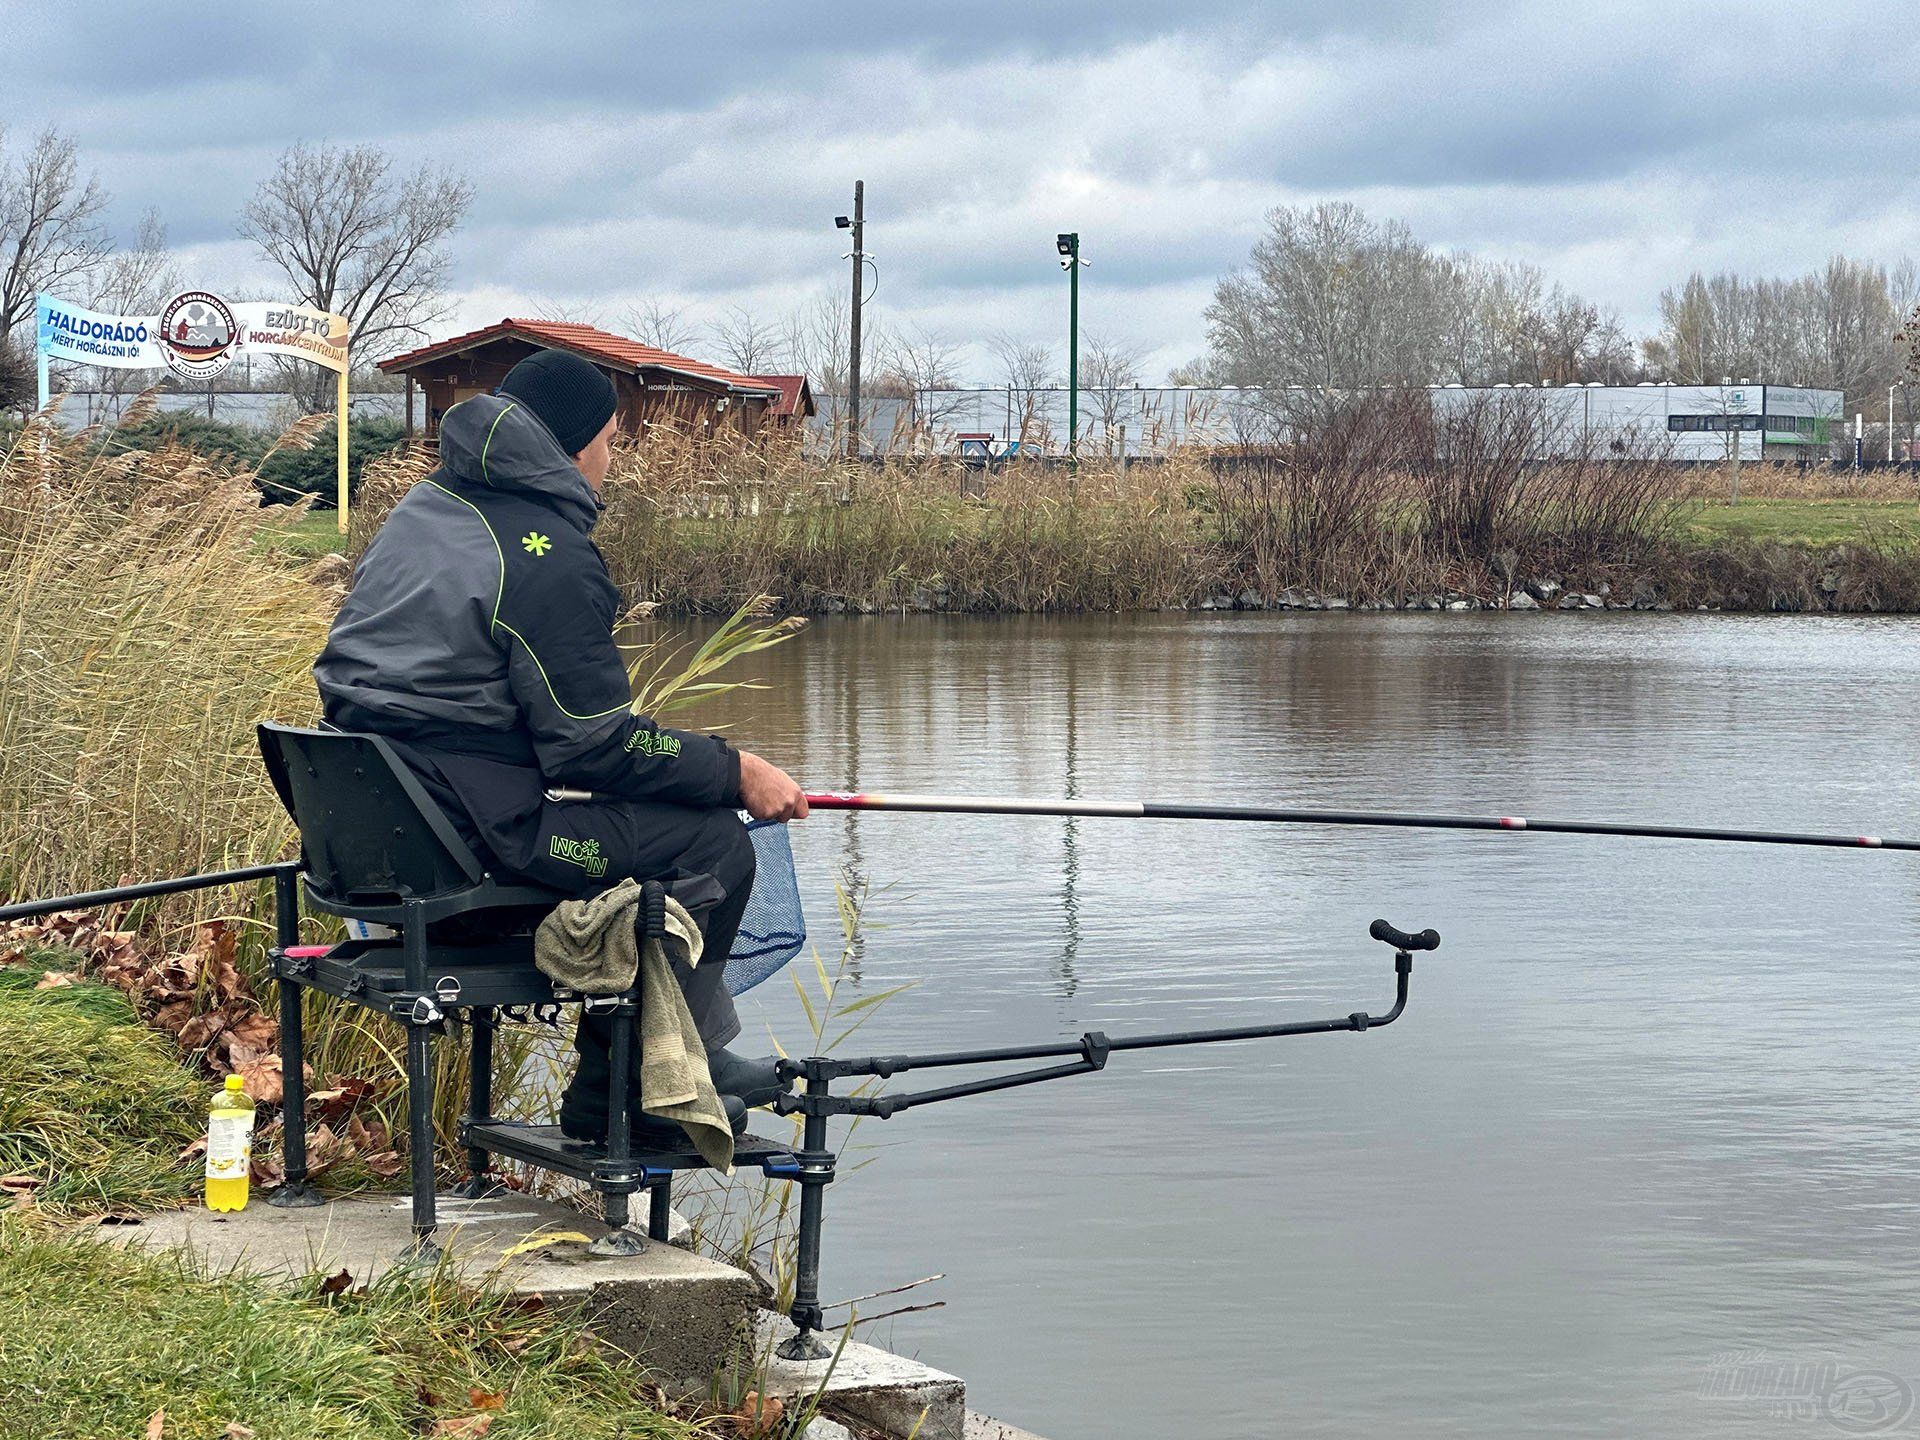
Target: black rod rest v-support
x=816, y=1102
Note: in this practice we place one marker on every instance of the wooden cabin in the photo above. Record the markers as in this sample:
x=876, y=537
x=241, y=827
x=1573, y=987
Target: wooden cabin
x=794, y=406
x=651, y=386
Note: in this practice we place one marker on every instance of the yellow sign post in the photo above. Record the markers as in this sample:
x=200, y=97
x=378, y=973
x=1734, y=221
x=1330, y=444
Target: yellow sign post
x=340, y=478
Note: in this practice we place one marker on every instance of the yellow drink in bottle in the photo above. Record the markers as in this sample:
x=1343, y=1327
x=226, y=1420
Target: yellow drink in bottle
x=229, y=1146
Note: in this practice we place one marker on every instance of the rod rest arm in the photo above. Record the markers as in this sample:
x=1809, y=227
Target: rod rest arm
x=1093, y=1049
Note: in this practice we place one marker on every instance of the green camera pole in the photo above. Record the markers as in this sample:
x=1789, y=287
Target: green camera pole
x=1073, y=350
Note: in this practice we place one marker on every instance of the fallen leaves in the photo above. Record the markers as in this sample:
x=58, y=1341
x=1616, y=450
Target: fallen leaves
x=263, y=1078
x=540, y=1242
x=757, y=1415
x=337, y=1283
x=463, y=1427
x=198, y=995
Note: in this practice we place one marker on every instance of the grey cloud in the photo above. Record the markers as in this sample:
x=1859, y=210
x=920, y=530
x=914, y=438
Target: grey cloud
x=619, y=151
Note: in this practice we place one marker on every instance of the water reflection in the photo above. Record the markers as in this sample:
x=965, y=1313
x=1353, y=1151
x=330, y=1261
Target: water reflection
x=1070, y=837
x=1652, y=1104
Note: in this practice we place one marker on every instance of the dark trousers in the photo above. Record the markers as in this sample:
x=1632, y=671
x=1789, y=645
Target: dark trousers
x=588, y=847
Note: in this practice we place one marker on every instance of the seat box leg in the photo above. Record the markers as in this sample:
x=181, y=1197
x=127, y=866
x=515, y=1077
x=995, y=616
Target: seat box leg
x=479, y=1103
x=420, y=1137
x=293, y=1192
x=619, y=1240
x=419, y=1023
x=660, y=1210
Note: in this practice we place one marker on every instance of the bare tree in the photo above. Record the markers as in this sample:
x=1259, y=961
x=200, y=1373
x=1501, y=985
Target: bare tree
x=50, y=231
x=1110, y=373
x=744, y=343
x=1026, y=368
x=1196, y=373
x=571, y=312
x=356, y=239
x=136, y=280
x=818, y=345
x=1836, y=328
x=1330, y=301
x=922, y=367
x=663, y=326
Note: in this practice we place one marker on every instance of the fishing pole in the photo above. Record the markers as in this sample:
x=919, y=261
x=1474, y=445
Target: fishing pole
x=1152, y=810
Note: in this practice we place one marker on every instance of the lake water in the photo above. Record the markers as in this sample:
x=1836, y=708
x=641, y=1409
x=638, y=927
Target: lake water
x=1645, y=1149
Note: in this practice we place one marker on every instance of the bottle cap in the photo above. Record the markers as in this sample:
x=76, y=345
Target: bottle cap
x=234, y=1083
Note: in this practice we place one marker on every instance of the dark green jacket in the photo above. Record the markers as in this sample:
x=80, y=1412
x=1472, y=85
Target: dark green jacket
x=480, y=628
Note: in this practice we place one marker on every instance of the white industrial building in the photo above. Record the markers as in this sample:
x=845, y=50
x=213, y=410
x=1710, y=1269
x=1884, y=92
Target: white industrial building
x=1680, y=422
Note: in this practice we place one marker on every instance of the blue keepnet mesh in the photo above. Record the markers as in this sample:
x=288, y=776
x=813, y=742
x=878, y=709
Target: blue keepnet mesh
x=773, y=929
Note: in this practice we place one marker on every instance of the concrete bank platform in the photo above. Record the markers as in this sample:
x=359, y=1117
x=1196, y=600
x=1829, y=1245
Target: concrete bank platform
x=876, y=1387
x=682, y=1316
x=978, y=1427
x=680, y=1313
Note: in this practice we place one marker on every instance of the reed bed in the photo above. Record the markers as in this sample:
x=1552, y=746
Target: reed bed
x=143, y=636
x=698, y=527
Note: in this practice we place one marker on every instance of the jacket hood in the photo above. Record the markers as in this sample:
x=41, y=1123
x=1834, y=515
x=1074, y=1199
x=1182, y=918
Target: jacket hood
x=495, y=441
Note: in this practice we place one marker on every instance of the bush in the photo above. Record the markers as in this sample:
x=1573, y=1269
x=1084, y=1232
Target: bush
x=283, y=473
x=288, y=475
x=19, y=388
x=237, y=446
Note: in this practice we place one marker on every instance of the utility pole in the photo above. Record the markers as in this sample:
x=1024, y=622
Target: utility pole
x=859, y=283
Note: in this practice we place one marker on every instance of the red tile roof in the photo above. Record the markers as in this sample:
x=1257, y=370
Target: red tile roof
x=599, y=345
x=793, y=391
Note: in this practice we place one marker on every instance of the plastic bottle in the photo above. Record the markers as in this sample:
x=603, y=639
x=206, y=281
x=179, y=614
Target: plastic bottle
x=229, y=1146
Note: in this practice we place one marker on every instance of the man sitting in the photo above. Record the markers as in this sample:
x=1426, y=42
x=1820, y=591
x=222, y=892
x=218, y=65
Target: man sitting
x=478, y=639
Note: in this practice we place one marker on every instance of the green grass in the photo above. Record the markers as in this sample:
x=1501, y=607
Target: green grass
x=302, y=537
x=94, y=1339
x=1819, y=523
x=93, y=1105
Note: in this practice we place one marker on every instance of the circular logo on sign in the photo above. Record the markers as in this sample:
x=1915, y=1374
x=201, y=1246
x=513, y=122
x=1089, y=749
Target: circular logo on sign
x=197, y=332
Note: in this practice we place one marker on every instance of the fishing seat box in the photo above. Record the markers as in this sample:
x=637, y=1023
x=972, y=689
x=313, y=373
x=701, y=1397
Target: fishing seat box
x=377, y=849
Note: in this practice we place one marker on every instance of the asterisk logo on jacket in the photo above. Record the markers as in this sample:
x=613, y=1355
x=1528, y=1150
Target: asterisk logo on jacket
x=534, y=543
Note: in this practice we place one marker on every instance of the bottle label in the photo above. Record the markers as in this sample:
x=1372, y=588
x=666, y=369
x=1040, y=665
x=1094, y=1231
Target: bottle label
x=229, y=1144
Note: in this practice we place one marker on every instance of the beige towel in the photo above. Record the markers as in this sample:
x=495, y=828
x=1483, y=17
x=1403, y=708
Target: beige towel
x=591, y=946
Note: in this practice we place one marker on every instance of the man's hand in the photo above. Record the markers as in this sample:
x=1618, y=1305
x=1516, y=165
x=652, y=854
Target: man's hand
x=768, y=792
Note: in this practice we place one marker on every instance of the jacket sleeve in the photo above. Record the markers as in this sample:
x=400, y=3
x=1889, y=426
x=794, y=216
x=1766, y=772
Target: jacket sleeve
x=571, y=685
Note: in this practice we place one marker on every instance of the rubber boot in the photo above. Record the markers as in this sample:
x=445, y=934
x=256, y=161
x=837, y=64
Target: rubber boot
x=755, y=1081
x=583, y=1104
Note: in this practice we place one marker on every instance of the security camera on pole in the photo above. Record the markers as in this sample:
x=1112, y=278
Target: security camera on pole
x=1068, y=244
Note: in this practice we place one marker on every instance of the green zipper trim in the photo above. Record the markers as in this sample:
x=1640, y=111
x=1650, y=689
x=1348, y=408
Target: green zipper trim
x=534, y=656
x=488, y=445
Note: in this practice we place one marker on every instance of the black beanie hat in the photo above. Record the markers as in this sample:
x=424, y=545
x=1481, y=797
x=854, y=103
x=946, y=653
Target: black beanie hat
x=572, y=397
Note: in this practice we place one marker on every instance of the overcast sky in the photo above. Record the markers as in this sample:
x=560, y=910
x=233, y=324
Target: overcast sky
x=622, y=151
